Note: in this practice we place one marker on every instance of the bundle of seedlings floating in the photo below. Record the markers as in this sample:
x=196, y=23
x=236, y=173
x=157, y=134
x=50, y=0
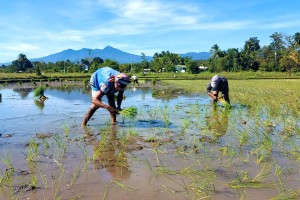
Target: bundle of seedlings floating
x=39, y=93
x=129, y=112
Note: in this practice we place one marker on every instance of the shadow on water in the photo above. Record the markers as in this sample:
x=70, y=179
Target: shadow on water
x=109, y=152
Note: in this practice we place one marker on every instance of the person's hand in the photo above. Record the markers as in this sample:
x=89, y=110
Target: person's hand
x=112, y=110
x=215, y=98
x=119, y=108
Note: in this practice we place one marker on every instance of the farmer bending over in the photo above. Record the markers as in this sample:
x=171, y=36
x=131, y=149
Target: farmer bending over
x=106, y=81
x=135, y=79
x=217, y=84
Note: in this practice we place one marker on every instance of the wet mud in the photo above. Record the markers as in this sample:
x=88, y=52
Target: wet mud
x=178, y=147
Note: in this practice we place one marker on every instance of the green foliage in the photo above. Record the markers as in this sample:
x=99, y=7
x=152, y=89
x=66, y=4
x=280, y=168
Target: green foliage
x=22, y=64
x=129, y=112
x=192, y=67
x=111, y=63
x=39, y=92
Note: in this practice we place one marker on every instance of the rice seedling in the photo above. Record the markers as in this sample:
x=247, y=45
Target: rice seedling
x=201, y=181
x=33, y=180
x=184, y=127
x=55, y=183
x=85, y=155
x=6, y=177
x=165, y=116
x=227, y=151
x=244, y=181
x=152, y=115
x=129, y=137
x=47, y=146
x=225, y=103
x=39, y=92
x=33, y=150
x=130, y=112
x=6, y=159
x=61, y=145
x=121, y=185
x=66, y=130
x=75, y=175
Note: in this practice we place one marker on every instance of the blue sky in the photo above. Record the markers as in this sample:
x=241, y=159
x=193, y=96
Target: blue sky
x=38, y=28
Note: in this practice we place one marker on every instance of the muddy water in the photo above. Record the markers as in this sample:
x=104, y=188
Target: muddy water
x=178, y=147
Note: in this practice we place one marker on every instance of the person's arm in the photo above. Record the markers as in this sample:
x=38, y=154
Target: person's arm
x=212, y=93
x=97, y=100
x=215, y=95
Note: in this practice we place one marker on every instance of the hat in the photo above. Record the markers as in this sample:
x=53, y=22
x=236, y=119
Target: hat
x=122, y=78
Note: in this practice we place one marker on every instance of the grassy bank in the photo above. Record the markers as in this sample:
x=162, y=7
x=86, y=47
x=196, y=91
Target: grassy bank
x=16, y=77
x=27, y=77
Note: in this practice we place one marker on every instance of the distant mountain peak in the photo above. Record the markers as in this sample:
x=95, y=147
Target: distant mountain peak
x=108, y=52
x=108, y=47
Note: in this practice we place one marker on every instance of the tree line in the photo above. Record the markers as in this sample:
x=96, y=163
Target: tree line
x=282, y=55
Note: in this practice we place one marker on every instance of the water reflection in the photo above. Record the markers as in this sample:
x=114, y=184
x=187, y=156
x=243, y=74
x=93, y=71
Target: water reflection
x=24, y=92
x=40, y=103
x=166, y=93
x=217, y=122
x=109, y=152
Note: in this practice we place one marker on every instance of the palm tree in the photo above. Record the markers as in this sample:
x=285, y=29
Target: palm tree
x=214, y=51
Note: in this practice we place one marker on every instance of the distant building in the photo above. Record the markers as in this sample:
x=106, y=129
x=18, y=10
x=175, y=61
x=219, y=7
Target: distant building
x=180, y=68
x=203, y=67
x=148, y=70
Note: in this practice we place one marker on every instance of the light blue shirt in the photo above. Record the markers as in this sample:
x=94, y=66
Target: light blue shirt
x=100, y=80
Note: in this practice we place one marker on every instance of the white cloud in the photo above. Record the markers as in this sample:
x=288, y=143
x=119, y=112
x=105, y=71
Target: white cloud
x=22, y=47
x=153, y=12
x=63, y=36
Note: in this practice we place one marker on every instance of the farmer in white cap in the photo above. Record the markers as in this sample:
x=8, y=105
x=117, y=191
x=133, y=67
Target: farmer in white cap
x=217, y=84
x=106, y=81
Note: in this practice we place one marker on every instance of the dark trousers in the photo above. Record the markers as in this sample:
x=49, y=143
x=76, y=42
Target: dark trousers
x=225, y=90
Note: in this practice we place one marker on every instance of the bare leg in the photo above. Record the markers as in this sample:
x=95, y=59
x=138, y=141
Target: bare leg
x=89, y=114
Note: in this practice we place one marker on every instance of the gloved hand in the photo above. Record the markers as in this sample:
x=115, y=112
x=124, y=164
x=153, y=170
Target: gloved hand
x=112, y=110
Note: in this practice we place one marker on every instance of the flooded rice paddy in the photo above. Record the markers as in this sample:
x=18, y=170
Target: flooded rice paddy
x=179, y=146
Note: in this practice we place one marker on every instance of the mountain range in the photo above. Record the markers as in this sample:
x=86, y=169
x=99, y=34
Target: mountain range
x=107, y=53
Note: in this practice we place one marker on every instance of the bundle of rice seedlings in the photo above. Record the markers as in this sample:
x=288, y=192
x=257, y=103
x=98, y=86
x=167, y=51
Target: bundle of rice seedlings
x=225, y=103
x=39, y=92
x=129, y=112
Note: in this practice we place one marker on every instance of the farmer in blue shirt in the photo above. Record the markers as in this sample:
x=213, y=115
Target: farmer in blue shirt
x=217, y=84
x=106, y=81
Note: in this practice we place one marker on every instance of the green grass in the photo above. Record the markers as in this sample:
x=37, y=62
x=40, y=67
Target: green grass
x=16, y=77
x=276, y=94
